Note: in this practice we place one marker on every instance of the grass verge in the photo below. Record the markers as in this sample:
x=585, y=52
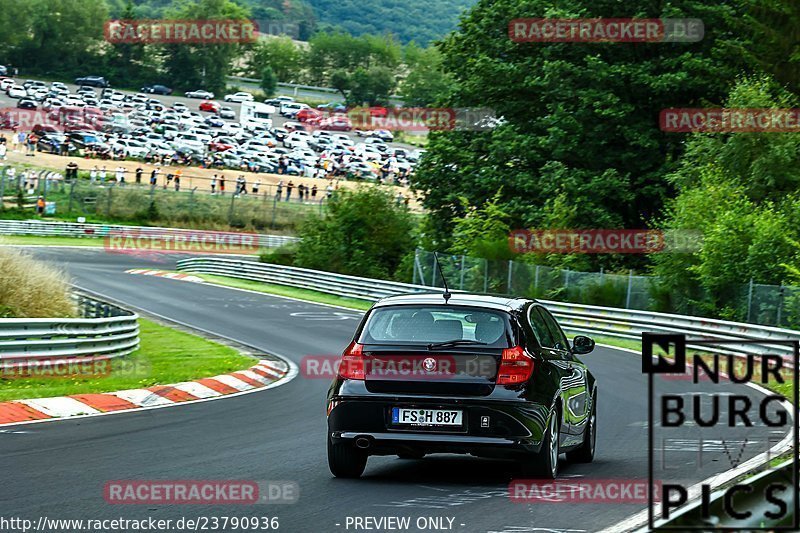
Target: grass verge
x=282, y=290
x=30, y=240
x=165, y=356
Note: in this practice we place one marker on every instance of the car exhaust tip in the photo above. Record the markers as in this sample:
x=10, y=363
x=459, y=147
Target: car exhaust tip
x=363, y=443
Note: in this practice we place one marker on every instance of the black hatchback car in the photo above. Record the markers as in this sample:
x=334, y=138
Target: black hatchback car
x=481, y=375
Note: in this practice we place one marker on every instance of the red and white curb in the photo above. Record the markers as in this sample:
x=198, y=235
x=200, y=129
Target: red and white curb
x=265, y=374
x=165, y=274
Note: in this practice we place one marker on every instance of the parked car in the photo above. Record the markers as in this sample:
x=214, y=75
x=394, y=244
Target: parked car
x=92, y=81
x=309, y=115
x=384, y=135
x=157, y=89
x=468, y=355
x=336, y=123
x=130, y=148
x=209, y=106
x=200, y=93
x=26, y=103
x=16, y=91
x=241, y=96
x=227, y=112
x=50, y=143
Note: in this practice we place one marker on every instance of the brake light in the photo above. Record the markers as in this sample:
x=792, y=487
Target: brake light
x=515, y=367
x=352, y=363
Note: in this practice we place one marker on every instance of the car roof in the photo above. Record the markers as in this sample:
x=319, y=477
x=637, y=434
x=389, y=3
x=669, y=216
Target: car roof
x=503, y=303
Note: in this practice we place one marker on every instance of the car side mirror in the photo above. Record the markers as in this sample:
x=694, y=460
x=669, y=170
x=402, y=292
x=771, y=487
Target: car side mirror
x=582, y=344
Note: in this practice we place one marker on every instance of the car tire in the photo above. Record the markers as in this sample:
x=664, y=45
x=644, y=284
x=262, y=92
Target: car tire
x=544, y=465
x=585, y=453
x=345, y=460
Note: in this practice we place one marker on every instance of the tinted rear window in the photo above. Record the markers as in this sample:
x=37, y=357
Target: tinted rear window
x=414, y=325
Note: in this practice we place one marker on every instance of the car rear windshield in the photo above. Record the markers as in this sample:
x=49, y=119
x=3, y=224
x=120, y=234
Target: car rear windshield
x=422, y=325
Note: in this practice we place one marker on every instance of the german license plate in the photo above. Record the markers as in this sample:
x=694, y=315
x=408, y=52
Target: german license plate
x=426, y=417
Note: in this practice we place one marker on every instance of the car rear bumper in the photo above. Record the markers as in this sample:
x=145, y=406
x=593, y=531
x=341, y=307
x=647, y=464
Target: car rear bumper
x=489, y=428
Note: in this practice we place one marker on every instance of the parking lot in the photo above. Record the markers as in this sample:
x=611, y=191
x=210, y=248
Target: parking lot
x=179, y=130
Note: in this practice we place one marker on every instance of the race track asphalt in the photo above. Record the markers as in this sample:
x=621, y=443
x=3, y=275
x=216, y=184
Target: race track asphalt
x=59, y=469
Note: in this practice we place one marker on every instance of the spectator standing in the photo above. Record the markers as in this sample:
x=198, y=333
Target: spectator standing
x=329, y=191
x=300, y=189
x=40, y=206
x=139, y=174
x=178, y=181
x=120, y=175
x=32, y=140
x=256, y=186
x=93, y=175
x=279, y=190
x=21, y=138
x=243, y=186
x=14, y=142
x=314, y=192
x=102, y=175
x=289, y=187
x=213, y=184
x=3, y=149
x=72, y=171
x=153, y=179
x=222, y=184
x=307, y=190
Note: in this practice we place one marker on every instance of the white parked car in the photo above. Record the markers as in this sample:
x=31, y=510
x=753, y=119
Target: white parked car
x=227, y=112
x=130, y=147
x=184, y=140
x=241, y=96
x=296, y=139
x=205, y=95
x=16, y=91
x=290, y=109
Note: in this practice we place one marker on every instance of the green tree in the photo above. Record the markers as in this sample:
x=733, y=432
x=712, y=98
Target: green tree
x=580, y=119
x=203, y=65
x=269, y=82
x=426, y=83
x=364, y=233
x=62, y=37
x=739, y=191
x=370, y=86
x=281, y=54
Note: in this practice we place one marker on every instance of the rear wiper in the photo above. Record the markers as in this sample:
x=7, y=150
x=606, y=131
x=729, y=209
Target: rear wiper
x=455, y=342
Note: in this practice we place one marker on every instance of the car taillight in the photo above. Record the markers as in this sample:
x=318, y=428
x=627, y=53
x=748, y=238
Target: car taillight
x=352, y=363
x=515, y=367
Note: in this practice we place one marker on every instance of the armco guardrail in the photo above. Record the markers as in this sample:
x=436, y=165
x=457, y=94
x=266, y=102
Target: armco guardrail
x=576, y=318
x=74, y=229
x=328, y=282
x=104, y=331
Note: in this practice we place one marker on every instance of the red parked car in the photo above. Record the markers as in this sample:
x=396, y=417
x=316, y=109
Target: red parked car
x=309, y=115
x=208, y=105
x=220, y=144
